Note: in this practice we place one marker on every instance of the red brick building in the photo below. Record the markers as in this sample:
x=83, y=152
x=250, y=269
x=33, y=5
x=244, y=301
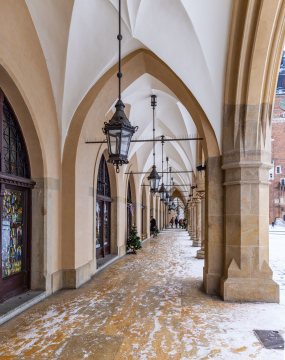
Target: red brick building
x=277, y=173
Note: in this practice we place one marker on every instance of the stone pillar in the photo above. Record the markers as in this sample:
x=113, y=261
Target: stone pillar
x=194, y=220
x=201, y=252
x=197, y=239
x=214, y=218
x=188, y=218
x=191, y=220
x=248, y=276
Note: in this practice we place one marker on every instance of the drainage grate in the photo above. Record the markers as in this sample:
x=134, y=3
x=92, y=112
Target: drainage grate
x=270, y=339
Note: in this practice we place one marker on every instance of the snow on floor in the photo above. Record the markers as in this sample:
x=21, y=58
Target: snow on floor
x=148, y=306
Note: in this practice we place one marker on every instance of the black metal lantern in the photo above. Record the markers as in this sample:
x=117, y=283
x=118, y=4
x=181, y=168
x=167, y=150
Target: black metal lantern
x=167, y=197
x=119, y=130
x=162, y=193
x=153, y=177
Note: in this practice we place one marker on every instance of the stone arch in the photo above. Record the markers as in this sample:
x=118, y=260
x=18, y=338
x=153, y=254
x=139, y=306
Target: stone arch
x=255, y=48
x=41, y=267
x=88, y=119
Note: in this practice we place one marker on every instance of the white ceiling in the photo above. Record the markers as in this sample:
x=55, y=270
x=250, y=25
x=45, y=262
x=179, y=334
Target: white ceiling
x=79, y=42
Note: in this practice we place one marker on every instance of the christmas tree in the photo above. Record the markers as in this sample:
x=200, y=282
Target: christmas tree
x=134, y=241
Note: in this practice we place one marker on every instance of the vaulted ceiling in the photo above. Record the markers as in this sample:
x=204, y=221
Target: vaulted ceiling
x=78, y=38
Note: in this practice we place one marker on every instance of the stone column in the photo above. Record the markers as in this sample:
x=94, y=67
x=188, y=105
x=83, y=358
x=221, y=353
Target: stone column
x=194, y=220
x=201, y=252
x=188, y=219
x=197, y=239
x=191, y=232
x=248, y=276
x=214, y=218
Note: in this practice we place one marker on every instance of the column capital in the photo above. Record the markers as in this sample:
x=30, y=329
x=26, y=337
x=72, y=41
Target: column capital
x=201, y=194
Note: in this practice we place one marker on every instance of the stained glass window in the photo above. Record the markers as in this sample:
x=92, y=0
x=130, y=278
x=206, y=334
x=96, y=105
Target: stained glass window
x=12, y=232
x=15, y=153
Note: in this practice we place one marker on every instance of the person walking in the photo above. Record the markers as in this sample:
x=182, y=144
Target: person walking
x=182, y=223
x=153, y=226
x=179, y=223
x=176, y=222
x=171, y=222
x=273, y=223
x=185, y=223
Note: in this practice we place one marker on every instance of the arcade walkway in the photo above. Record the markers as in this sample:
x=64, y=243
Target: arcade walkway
x=145, y=306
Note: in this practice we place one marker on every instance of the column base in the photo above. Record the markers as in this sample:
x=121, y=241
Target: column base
x=250, y=290
x=201, y=254
x=197, y=242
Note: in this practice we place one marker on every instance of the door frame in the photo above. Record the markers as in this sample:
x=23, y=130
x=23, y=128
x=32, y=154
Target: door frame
x=104, y=250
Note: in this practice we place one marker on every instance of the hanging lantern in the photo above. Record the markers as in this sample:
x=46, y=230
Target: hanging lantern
x=153, y=179
x=162, y=193
x=167, y=198
x=119, y=130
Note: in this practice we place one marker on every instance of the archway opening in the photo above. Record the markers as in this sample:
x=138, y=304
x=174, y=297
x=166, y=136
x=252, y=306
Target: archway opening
x=15, y=205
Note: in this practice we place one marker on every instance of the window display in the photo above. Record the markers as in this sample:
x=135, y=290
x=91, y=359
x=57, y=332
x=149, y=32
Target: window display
x=12, y=232
x=98, y=224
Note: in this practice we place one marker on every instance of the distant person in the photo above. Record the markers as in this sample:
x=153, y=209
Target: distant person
x=182, y=223
x=185, y=223
x=273, y=223
x=179, y=223
x=153, y=226
x=176, y=222
x=171, y=222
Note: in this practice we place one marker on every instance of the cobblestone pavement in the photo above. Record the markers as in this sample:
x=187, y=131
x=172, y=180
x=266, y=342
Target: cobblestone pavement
x=145, y=306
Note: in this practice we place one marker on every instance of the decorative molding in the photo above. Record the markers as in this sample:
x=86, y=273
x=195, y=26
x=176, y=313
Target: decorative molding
x=201, y=194
x=16, y=181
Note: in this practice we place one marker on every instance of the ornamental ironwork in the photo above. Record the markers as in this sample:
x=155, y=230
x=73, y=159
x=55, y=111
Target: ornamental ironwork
x=15, y=153
x=103, y=181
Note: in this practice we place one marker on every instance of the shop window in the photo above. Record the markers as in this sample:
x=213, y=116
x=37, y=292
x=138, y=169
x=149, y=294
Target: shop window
x=103, y=210
x=278, y=169
x=12, y=232
x=276, y=201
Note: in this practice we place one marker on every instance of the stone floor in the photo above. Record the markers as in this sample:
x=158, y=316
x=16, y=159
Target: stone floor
x=146, y=306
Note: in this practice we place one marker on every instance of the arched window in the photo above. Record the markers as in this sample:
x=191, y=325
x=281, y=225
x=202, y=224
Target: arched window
x=14, y=148
x=103, y=181
x=103, y=213
x=15, y=197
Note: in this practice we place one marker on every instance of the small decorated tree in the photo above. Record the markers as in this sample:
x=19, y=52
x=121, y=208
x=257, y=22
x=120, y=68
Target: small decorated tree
x=134, y=241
